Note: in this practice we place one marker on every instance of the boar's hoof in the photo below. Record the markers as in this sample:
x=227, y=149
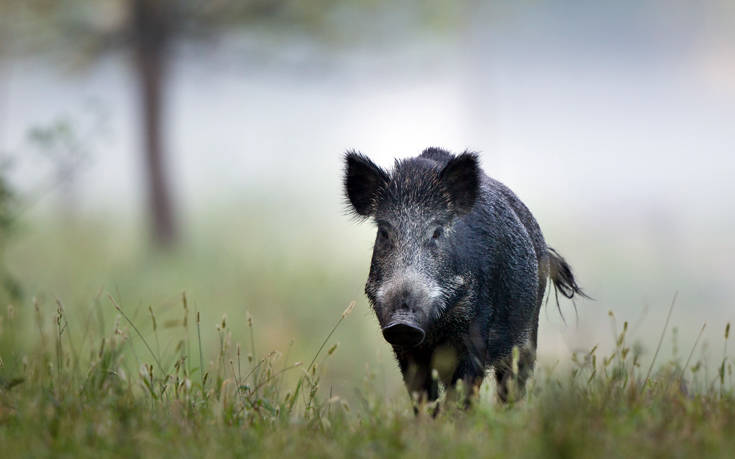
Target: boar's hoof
x=403, y=333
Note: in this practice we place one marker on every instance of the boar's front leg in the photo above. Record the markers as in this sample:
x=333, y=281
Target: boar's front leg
x=422, y=387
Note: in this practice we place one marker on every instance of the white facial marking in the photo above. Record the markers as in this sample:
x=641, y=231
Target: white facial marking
x=417, y=281
x=435, y=292
x=380, y=293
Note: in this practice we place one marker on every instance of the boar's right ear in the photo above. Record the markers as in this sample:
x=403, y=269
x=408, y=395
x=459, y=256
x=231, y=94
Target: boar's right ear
x=363, y=181
x=461, y=179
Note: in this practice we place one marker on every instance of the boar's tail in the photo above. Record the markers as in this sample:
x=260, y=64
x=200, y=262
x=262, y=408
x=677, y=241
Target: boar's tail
x=562, y=279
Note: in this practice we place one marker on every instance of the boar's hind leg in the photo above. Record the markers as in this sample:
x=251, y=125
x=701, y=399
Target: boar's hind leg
x=510, y=386
x=471, y=377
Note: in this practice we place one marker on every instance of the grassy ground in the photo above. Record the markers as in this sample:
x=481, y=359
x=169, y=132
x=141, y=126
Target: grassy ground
x=103, y=355
x=93, y=401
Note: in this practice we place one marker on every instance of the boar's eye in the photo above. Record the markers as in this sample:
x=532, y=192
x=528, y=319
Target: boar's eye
x=437, y=233
x=385, y=230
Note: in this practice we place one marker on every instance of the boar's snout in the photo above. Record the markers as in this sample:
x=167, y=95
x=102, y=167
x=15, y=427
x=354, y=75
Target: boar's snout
x=405, y=304
x=403, y=332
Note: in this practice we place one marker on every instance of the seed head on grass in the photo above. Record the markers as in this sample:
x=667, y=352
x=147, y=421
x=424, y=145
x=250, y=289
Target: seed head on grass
x=201, y=356
x=132, y=324
x=251, y=355
x=346, y=313
x=310, y=371
x=348, y=309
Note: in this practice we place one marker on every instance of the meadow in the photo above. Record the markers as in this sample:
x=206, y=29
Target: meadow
x=255, y=339
x=251, y=335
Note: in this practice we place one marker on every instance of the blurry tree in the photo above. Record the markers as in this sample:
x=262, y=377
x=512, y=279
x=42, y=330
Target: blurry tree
x=149, y=29
x=66, y=146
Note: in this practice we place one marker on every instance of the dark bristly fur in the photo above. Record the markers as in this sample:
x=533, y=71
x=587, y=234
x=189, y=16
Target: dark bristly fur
x=363, y=182
x=458, y=272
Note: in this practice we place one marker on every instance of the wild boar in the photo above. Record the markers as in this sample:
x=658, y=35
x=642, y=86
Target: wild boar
x=458, y=272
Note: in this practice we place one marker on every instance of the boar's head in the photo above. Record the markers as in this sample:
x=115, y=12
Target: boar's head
x=416, y=273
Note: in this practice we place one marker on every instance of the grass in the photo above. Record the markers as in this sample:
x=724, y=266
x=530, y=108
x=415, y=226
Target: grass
x=104, y=356
x=93, y=397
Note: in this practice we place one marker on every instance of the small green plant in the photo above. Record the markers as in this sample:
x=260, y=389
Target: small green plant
x=9, y=287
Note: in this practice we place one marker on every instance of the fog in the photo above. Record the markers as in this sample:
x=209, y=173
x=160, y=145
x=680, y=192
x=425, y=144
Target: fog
x=614, y=125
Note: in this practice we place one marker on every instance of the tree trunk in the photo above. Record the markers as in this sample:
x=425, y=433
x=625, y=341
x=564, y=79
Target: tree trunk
x=150, y=36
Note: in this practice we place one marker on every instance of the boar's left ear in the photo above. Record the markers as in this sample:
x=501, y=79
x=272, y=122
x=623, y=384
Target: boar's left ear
x=461, y=179
x=363, y=181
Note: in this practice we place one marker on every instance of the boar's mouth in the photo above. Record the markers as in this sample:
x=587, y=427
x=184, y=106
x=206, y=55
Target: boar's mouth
x=403, y=332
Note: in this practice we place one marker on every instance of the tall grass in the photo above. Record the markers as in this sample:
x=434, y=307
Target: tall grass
x=92, y=394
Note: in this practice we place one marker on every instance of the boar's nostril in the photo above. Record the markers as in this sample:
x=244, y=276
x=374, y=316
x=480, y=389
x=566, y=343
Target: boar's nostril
x=403, y=333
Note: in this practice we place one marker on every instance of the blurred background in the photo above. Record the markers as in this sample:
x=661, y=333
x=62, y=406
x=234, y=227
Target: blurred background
x=154, y=147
